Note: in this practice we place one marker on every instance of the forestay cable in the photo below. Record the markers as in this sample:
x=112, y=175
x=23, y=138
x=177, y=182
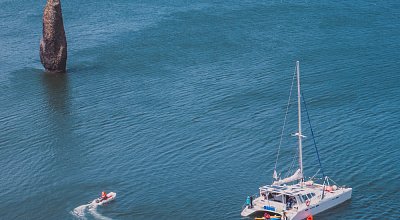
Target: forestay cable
x=284, y=123
x=312, y=133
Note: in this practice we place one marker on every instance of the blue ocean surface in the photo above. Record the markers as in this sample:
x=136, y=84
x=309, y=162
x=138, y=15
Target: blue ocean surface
x=178, y=106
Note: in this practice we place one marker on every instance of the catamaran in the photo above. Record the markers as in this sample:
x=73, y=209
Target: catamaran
x=292, y=198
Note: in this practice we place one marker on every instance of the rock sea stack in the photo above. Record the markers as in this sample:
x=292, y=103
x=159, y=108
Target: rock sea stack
x=53, y=45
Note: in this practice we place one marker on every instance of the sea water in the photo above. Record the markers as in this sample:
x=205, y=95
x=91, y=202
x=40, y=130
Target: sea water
x=178, y=106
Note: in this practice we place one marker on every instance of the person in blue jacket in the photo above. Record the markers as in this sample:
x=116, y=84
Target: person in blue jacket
x=248, y=201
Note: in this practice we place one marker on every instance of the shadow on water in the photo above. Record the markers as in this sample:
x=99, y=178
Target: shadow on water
x=57, y=93
x=86, y=69
x=57, y=106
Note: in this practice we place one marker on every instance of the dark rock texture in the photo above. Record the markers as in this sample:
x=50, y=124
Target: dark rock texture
x=53, y=45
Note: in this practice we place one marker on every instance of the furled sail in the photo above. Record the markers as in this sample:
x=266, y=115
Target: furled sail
x=296, y=176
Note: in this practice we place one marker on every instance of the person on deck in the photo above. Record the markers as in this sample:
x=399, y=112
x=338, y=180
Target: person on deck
x=284, y=216
x=103, y=196
x=251, y=201
x=290, y=202
x=248, y=201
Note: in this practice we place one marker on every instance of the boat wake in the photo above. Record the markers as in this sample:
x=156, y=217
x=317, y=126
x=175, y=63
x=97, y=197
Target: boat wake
x=80, y=212
x=93, y=210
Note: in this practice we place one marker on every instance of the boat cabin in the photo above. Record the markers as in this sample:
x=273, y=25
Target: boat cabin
x=286, y=197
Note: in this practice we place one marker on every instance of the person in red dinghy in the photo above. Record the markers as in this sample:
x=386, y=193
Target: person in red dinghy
x=103, y=196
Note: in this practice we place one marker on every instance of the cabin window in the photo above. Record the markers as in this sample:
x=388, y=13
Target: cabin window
x=275, y=197
x=304, y=197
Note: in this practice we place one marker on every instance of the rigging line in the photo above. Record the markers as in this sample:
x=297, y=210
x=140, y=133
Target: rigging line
x=287, y=109
x=292, y=165
x=312, y=133
x=334, y=182
x=289, y=172
x=315, y=174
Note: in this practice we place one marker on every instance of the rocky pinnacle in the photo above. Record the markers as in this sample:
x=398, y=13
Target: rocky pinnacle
x=53, y=45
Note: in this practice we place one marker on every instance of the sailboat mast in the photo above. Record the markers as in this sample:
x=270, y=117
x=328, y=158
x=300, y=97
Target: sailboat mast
x=299, y=110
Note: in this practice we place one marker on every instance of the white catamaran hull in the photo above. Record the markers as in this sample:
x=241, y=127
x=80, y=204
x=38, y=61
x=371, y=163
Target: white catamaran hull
x=325, y=204
x=315, y=207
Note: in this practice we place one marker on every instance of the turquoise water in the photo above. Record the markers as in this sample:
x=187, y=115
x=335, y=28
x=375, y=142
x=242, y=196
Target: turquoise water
x=178, y=106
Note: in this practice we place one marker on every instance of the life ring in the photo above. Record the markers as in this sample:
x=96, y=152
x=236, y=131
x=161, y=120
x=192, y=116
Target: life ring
x=308, y=202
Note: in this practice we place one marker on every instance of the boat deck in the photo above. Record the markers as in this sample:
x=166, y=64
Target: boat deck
x=263, y=204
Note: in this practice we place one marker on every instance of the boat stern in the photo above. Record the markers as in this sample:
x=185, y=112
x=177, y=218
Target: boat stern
x=248, y=211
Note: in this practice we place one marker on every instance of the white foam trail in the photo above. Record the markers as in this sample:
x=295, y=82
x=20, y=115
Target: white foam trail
x=79, y=212
x=93, y=211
